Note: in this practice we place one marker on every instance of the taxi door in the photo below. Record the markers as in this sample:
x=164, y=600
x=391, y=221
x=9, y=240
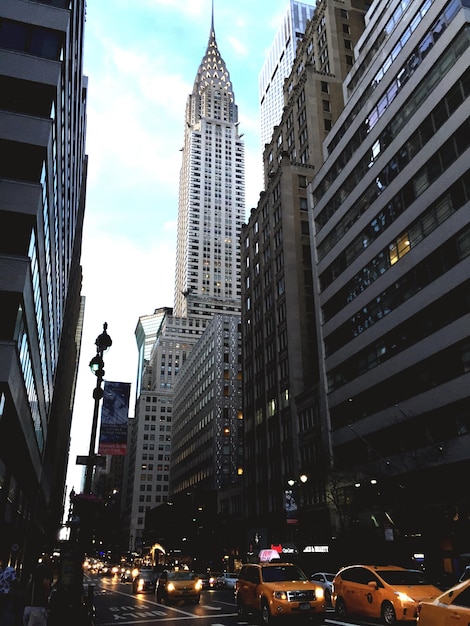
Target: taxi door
x=374, y=595
x=370, y=596
x=248, y=588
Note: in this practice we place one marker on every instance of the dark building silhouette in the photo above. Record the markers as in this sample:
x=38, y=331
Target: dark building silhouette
x=42, y=200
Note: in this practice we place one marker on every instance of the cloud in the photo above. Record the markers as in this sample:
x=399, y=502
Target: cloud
x=192, y=7
x=238, y=46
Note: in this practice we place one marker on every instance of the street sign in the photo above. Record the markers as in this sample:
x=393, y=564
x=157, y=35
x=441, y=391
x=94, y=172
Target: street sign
x=98, y=460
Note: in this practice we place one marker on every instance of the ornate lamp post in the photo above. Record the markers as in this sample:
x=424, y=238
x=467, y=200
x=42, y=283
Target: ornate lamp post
x=69, y=604
x=103, y=343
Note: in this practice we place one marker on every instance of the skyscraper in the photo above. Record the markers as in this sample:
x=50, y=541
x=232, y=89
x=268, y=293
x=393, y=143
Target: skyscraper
x=280, y=356
x=278, y=65
x=212, y=194
x=211, y=211
x=42, y=199
x=391, y=225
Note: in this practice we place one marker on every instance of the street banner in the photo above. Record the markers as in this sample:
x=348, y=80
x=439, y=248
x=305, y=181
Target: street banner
x=114, y=417
x=290, y=506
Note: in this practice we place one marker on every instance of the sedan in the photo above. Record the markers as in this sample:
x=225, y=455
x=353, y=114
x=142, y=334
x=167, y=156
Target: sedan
x=227, y=580
x=451, y=607
x=385, y=592
x=145, y=580
x=325, y=580
x=178, y=585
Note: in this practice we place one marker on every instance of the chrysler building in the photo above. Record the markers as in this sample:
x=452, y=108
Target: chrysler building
x=201, y=333
x=212, y=195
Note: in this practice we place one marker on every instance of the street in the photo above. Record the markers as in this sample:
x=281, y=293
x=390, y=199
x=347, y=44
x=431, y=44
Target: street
x=116, y=604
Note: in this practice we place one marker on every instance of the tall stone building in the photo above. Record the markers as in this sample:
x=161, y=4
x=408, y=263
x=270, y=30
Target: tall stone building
x=390, y=223
x=211, y=211
x=42, y=199
x=284, y=437
x=211, y=195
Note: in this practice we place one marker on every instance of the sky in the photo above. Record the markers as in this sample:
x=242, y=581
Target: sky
x=141, y=59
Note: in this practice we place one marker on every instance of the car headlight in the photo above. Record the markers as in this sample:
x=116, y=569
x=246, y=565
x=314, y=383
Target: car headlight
x=403, y=597
x=135, y=573
x=280, y=595
x=140, y=585
x=170, y=587
x=198, y=585
x=319, y=593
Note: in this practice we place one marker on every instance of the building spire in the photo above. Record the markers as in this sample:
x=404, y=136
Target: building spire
x=212, y=72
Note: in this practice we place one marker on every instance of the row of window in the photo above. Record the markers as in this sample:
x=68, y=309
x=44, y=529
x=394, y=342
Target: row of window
x=429, y=83
x=454, y=98
x=403, y=289
x=440, y=368
x=371, y=55
x=455, y=146
x=440, y=313
x=438, y=212
x=35, y=40
x=434, y=427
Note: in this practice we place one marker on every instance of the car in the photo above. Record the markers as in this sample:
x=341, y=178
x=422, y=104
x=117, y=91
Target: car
x=209, y=580
x=227, y=580
x=325, y=579
x=128, y=573
x=448, y=608
x=204, y=578
x=145, y=580
x=385, y=592
x=178, y=585
x=278, y=590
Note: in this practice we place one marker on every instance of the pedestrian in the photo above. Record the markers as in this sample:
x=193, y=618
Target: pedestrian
x=8, y=580
x=37, y=595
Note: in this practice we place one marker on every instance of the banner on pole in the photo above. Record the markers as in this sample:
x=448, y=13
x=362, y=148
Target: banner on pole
x=114, y=417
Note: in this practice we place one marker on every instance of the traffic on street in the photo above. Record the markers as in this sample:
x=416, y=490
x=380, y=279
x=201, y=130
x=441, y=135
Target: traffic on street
x=117, y=604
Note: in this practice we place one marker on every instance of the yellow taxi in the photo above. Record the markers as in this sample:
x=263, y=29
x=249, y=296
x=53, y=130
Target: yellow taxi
x=451, y=607
x=278, y=590
x=178, y=585
x=385, y=592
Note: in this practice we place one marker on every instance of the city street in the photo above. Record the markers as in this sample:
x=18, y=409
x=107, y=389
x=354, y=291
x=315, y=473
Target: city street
x=116, y=604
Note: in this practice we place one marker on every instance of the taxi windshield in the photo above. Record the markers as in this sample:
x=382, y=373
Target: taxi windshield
x=181, y=576
x=282, y=573
x=403, y=577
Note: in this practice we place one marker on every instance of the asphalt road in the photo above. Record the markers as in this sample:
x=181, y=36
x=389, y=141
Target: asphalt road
x=117, y=605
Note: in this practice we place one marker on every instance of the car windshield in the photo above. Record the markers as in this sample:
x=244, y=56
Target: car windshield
x=330, y=577
x=181, y=576
x=403, y=577
x=282, y=573
x=147, y=575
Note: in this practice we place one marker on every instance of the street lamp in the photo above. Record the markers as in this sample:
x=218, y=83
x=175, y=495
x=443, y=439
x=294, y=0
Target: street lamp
x=103, y=343
x=297, y=506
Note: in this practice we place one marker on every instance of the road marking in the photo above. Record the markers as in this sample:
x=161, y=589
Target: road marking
x=119, y=619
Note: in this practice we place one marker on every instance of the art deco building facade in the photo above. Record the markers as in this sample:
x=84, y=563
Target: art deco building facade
x=211, y=195
x=278, y=65
x=283, y=432
x=207, y=274
x=391, y=230
x=42, y=198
